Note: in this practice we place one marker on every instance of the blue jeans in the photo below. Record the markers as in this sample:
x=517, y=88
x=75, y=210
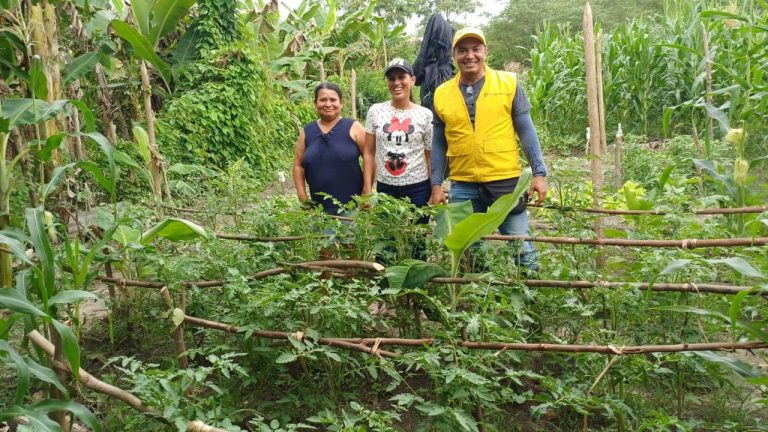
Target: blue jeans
x=418, y=193
x=514, y=224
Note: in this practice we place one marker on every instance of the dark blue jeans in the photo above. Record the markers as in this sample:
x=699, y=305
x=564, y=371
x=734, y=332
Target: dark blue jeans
x=418, y=193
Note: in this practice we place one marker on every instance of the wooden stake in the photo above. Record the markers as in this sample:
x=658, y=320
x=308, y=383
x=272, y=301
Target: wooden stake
x=594, y=117
x=600, y=98
x=619, y=181
x=178, y=332
x=353, y=92
x=156, y=164
x=708, y=69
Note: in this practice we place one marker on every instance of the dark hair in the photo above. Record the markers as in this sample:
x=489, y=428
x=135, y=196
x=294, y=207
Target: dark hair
x=328, y=86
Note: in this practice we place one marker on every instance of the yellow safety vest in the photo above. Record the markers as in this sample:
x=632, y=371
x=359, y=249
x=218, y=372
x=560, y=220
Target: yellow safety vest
x=489, y=151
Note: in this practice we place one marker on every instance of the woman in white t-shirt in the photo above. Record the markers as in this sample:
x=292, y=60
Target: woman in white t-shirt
x=399, y=133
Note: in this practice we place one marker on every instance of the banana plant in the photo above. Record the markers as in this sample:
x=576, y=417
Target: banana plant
x=153, y=20
x=460, y=233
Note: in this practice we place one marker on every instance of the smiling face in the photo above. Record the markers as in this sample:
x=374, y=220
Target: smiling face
x=328, y=104
x=469, y=54
x=400, y=83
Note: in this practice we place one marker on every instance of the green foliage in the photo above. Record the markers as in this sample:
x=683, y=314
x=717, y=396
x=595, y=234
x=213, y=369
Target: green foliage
x=654, y=73
x=226, y=110
x=217, y=24
x=509, y=33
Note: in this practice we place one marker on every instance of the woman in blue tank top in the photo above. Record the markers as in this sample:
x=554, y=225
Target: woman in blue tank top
x=328, y=154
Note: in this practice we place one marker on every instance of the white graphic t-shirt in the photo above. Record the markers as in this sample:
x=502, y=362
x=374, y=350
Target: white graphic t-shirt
x=402, y=136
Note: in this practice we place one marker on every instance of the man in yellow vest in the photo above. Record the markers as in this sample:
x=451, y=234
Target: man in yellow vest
x=477, y=115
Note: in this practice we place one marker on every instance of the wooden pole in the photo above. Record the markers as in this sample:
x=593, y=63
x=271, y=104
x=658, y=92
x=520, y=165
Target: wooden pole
x=682, y=244
x=353, y=92
x=89, y=380
x=156, y=164
x=690, y=287
x=619, y=181
x=178, y=332
x=594, y=117
x=600, y=98
x=708, y=70
x=361, y=344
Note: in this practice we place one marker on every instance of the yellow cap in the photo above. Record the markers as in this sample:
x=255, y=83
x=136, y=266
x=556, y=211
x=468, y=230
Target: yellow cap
x=468, y=32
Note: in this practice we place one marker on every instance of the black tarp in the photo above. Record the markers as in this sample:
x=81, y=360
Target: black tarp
x=433, y=65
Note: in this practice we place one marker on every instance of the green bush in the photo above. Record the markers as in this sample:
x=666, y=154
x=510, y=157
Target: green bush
x=225, y=110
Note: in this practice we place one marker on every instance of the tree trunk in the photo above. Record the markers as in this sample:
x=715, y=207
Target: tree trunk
x=353, y=92
x=156, y=163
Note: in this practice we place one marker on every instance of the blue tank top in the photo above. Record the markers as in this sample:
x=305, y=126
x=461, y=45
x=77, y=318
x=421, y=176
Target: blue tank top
x=332, y=164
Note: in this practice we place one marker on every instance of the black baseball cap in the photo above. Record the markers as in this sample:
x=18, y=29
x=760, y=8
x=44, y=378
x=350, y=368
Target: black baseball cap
x=398, y=63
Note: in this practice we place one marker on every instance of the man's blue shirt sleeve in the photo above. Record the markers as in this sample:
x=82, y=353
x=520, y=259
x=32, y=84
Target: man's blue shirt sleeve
x=439, y=148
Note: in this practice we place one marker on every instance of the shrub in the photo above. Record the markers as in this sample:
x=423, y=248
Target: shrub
x=226, y=110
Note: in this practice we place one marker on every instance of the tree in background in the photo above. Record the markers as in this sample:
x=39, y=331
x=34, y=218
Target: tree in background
x=398, y=12
x=510, y=34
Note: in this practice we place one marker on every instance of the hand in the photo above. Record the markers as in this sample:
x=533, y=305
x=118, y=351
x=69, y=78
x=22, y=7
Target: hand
x=538, y=185
x=306, y=204
x=438, y=196
x=365, y=201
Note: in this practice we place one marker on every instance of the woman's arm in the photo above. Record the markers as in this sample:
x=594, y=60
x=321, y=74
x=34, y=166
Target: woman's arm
x=357, y=132
x=298, y=168
x=369, y=169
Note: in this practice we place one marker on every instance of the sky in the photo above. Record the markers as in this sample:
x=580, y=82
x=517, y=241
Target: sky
x=486, y=10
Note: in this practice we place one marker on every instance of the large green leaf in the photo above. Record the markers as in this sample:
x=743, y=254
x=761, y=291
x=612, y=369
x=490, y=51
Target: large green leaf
x=22, y=111
x=14, y=240
x=165, y=17
x=675, y=265
x=38, y=421
x=22, y=372
x=142, y=10
x=413, y=274
x=79, y=66
x=757, y=332
x=52, y=143
x=44, y=374
x=98, y=174
x=477, y=225
x=186, y=48
x=13, y=300
x=81, y=412
x=126, y=235
x=175, y=230
x=709, y=167
x=142, y=48
x=90, y=119
x=69, y=347
x=736, y=365
x=56, y=179
x=38, y=234
x=71, y=296
x=449, y=216
x=142, y=140
x=38, y=82
x=738, y=264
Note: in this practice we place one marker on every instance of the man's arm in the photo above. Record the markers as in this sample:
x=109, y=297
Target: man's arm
x=529, y=140
x=439, y=163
